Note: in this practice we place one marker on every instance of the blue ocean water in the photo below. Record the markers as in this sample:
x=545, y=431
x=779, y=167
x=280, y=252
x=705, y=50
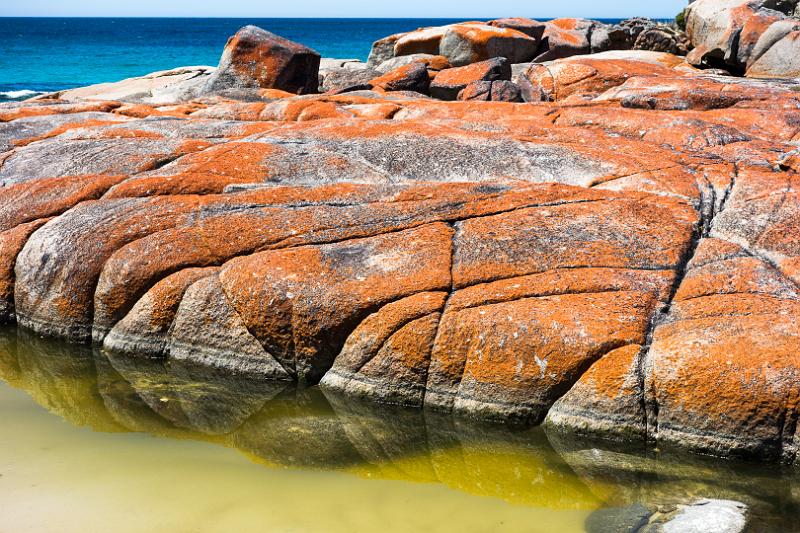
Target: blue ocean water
x=50, y=54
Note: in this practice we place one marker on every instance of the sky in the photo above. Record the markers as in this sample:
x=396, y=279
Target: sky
x=342, y=8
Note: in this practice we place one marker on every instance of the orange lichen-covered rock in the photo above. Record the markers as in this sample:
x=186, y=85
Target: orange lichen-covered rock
x=491, y=91
x=564, y=38
x=608, y=398
x=145, y=329
x=461, y=44
x=759, y=38
x=315, y=295
x=622, y=259
x=11, y=243
x=592, y=74
x=257, y=59
x=464, y=44
x=386, y=356
x=448, y=83
x=531, y=28
x=411, y=77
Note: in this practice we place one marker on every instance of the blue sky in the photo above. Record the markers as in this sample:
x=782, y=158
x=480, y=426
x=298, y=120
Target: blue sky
x=343, y=8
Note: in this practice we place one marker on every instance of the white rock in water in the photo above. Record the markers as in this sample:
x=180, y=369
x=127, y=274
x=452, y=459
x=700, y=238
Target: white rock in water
x=709, y=516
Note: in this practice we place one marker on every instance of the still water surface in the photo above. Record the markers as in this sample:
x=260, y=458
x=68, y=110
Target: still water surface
x=92, y=443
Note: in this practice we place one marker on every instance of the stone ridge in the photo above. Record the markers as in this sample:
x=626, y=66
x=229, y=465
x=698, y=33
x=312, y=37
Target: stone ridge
x=619, y=257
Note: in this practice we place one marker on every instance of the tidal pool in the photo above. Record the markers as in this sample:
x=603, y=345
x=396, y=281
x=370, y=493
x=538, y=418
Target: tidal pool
x=95, y=443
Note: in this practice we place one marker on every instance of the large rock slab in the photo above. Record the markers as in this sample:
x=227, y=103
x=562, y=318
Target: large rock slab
x=164, y=87
x=596, y=259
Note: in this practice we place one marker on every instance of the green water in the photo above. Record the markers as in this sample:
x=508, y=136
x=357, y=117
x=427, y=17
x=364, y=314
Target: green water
x=96, y=444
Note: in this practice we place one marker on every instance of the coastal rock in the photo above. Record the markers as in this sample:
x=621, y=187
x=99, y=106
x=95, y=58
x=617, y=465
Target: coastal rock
x=411, y=77
x=256, y=58
x=462, y=44
x=531, y=28
x=341, y=78
x=467, y=43
x=594, y=74
x=165, y=87
x=758, y=38
x=703, y=516
x=564, y=38
x=434, y=63
x=597, y=258
x=448, y=83
x=491, y=91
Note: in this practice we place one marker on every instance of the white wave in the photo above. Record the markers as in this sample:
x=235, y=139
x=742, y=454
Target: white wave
x=18, y=95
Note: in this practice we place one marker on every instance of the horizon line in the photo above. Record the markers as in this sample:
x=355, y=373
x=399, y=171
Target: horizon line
x=187, y=17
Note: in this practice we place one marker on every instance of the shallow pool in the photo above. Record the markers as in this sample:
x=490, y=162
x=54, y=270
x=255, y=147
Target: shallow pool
x=92, y=442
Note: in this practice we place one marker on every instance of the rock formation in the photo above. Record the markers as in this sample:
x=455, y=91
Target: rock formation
x=257, y=59
x=617, y=256
x=760, y=38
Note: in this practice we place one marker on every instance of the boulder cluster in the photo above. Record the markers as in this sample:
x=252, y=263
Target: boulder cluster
x=616, y=255
x=759, y=38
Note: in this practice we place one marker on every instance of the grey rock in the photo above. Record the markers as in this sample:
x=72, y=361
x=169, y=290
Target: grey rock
x=340, y=78
x=703, y=516
x=618, y=519
x=29, y=127
x=400, y=61
x=224, y=343
x=382, y=50
x=163, y=87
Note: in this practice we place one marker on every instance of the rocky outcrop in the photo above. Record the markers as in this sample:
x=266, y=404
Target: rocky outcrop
x=760, y=38
x=491, y=91
x=463, y=44
x=616, y=256
x=450, y=82
x=257, y=59
x=164, y=87
x=411, y=77
x=593, y=75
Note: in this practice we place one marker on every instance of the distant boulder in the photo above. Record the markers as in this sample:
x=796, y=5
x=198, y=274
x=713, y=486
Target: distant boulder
x=257, y=59
x=531, y=28
x=462, y=44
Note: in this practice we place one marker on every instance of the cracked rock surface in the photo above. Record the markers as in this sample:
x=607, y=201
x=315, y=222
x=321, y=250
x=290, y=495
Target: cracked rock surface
x=618, y=256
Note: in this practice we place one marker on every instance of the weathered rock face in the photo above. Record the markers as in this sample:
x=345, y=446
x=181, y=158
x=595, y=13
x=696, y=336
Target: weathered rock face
x=491, y=91
x=760, y=38
x=164, y=87
x=411, y=77
x=617, y=256
x=257, y=59
x=463, y=44
x=340, y=78
x=448, y=83
x=594, y=74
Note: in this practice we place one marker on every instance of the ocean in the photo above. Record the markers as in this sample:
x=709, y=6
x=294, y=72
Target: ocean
x=42, y=55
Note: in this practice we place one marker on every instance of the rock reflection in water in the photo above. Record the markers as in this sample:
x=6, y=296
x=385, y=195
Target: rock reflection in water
x=281, y=425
